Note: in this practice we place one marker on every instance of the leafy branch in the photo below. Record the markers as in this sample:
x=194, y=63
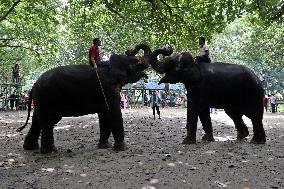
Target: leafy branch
x=10, y=10
x=268, y=14
x=6, y=39
x=110, y=7
x=20, y=46
x=280, y=12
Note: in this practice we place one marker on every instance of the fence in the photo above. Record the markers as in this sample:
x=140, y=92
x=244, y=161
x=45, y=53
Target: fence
x=10, y=96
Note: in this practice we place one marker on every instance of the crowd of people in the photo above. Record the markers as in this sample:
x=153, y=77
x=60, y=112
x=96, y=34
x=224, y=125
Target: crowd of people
x=153, y=99
x=18, y=101
x=15, y=101
x=170, y=99
x=270, y=102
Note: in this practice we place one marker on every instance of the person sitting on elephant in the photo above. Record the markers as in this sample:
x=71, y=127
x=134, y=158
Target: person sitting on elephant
x=204, y=52
x=94, y=55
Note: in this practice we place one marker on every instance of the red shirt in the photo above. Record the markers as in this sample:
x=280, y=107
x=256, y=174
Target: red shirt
x=265, y=100
x=94, y=52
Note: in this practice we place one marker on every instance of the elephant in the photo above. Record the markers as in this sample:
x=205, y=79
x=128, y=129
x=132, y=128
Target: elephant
x=234, y=88
x=76, y=90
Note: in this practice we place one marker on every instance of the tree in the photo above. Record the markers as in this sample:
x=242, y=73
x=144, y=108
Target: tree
x=48, y=33
x=246, y=41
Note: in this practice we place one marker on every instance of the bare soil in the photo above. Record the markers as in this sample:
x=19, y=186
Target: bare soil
x=155, y=158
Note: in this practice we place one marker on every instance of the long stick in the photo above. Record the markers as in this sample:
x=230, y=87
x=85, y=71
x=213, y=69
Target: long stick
x=102, y=89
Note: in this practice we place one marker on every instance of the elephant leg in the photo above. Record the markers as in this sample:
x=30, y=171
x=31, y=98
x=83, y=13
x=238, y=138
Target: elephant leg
x=258, y=130
x=105, y=131
x=207, y=125
x=31, y=140
x=154, y=114
x=117, y=130
x=158, y=111
x=47, y=138
x=191, y=126
x=242, y=129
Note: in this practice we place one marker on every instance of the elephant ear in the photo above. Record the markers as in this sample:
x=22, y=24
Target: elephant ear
x=118, y=69
x=189, y=68
x=191, y=73
x=185, y=59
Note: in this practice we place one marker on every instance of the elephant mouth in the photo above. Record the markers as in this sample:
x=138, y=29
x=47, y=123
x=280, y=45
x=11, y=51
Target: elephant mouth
x=165, y=79
x=168, y=79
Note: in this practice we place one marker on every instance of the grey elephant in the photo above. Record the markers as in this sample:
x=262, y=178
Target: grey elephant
x=75, y=90
x=231, y=87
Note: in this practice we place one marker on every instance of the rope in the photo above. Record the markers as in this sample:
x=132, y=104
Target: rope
x=102, y=89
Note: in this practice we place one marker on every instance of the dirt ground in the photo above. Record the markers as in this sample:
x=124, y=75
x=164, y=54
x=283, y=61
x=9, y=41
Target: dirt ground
x=155, y=158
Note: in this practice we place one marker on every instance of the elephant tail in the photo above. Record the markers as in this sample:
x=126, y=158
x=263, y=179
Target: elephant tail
x=29, y=112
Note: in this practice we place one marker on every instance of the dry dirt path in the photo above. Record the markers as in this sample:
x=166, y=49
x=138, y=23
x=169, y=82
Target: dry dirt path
x=155, y=158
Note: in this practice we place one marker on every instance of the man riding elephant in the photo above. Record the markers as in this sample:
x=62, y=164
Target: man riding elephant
x=94, y=55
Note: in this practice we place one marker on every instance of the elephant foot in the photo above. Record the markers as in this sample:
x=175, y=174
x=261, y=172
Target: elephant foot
x=31, y=146
x=119, y=146
x=260, y=140
x=104, y=145
x=49, y=149
x=189, y=140
x=242, y=135
x=208, y=137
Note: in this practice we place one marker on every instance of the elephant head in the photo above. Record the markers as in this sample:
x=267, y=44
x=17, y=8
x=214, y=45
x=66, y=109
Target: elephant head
x=129, y=68
x=179, y=67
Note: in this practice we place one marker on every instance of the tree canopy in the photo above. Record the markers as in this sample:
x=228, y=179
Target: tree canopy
x=39, y=34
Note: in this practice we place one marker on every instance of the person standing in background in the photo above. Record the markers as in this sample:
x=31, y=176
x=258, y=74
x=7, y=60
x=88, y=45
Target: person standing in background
x=155, y=104
x=265, y=102
x=272, y=102
x=15, y=73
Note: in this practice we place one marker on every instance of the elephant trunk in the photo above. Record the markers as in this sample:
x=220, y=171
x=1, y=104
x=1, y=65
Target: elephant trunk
x=147, y=52
x=157, y=65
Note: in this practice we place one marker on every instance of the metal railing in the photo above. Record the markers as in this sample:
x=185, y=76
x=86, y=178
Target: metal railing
x=10, y=92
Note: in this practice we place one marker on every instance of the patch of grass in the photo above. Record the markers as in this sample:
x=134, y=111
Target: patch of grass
x=280, y=108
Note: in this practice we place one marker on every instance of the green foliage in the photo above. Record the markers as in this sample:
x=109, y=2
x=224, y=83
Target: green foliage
x=40, y=34
x=245, y=41
x=280, y=108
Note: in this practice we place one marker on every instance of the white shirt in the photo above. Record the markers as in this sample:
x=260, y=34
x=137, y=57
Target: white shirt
x=272, y=100
x=203, y=49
